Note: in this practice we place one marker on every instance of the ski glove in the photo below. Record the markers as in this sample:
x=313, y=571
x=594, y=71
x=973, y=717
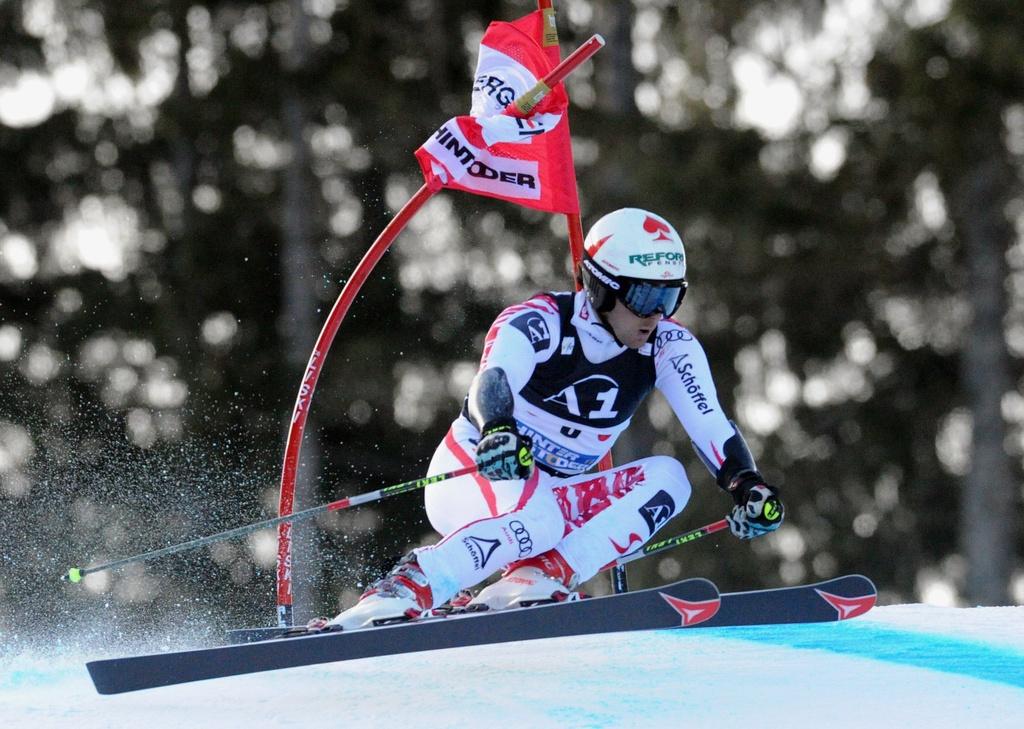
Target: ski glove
x=502, y=453
x=758, y=509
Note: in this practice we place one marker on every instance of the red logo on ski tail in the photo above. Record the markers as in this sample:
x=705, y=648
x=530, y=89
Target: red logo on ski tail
x=848, y=607
x=652, y=225
x=693, y=612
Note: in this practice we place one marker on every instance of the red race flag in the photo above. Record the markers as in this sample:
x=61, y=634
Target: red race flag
x=527, y=161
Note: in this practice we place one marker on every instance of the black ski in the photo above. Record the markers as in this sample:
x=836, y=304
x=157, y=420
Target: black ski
x=836, y=599
x=681, y=604
x=690, y=603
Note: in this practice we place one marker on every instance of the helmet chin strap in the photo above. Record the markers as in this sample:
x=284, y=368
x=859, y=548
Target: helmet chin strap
x=603, y=321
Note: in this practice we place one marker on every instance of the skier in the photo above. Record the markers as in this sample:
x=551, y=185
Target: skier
x=560, y=378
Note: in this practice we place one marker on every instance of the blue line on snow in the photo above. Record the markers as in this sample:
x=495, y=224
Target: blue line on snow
x=866, y=640
x=36, y=677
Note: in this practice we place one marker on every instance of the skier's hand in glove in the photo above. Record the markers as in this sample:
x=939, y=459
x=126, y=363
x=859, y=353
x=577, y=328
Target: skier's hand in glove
x=758, y=509
x=503, y=453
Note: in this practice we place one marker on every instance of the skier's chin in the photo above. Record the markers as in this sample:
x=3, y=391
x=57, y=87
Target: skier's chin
x=639, y=338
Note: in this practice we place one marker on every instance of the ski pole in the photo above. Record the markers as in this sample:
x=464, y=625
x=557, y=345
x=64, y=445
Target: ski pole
x=75, y=574
x=655, y=547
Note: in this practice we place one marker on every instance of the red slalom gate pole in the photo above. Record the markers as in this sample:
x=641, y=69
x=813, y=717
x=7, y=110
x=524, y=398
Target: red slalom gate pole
x=526, y=103
x=300, y=412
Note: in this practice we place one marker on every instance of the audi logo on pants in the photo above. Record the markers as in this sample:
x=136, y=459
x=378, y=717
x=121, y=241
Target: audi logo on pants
x=522, y=537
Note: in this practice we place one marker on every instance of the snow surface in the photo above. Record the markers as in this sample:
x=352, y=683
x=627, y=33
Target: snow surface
x=899, y=666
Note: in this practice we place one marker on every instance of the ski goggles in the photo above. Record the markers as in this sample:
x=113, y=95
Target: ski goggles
x=646, y=298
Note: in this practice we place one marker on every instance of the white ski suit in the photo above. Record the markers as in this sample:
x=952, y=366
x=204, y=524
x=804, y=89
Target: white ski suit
x=576, y=389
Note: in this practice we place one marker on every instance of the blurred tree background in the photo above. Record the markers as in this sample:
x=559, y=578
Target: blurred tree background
x=186, y=186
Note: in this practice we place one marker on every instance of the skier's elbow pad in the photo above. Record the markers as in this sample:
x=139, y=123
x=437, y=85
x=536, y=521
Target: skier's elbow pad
x=490, y=397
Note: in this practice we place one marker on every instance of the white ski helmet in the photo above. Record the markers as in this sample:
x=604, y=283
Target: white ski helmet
x=636, y=257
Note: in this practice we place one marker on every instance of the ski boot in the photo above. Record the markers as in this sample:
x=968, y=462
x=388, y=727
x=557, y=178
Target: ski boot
x=536, y=580
x=404, y=594
x=454, y=606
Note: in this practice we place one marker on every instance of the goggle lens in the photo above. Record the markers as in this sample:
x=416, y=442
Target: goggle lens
x=644, y=298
